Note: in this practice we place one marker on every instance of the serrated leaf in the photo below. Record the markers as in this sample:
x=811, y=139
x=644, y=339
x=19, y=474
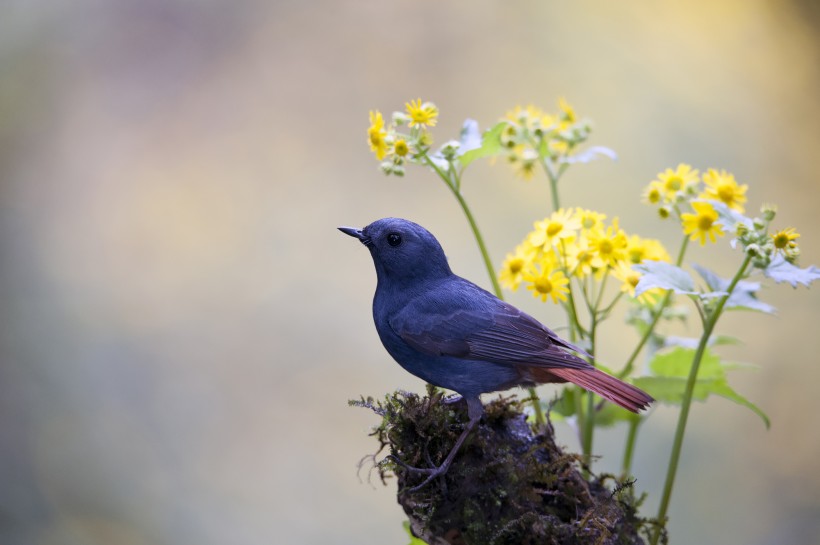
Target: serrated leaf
x=742, y=297
x=671, y=372
x=781, y=270
x=728, y=218
x=490, y=145
x=659, y=274
x=591, y=154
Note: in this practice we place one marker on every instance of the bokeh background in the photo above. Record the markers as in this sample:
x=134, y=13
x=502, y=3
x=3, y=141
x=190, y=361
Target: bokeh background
x=182, y=325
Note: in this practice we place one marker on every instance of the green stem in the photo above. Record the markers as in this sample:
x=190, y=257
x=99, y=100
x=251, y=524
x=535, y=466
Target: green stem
x=656, y=316
x=454, y=183
x=553, y=178
x=708, y=327
x=630, y=446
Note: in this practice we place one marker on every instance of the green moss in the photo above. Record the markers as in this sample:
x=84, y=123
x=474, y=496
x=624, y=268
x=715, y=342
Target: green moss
x=509, y=484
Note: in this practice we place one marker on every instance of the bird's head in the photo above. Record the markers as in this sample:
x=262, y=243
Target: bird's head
x=402, y=249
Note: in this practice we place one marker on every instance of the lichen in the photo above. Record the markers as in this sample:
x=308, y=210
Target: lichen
x=509, y=484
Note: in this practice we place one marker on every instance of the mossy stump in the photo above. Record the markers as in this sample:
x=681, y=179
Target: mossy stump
x=509, y=484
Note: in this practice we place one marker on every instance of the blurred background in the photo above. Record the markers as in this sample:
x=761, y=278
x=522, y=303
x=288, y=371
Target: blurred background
x=182, y=325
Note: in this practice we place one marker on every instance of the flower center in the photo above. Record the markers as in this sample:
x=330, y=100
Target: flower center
x=516, y=265
x=543, y=285
x=654, y=196
x=605, y=247
x=401, y=148
x=781, y=240
x=554, y=228
x=674, y=183
x=726, y=192
x=705, y=222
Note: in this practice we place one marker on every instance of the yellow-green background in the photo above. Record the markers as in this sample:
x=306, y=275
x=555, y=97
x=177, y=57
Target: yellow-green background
x=182, y=325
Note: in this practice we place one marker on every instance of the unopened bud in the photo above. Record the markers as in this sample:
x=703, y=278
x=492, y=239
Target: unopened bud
x=769, y=211
x=759, y=224
x=400, y=118
x=664, y=212
x=450, y=148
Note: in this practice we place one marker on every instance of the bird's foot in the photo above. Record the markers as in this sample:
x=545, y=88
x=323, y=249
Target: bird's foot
x=431, y=472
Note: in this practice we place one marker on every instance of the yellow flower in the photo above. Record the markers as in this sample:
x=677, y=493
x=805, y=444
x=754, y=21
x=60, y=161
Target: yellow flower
x=548, y=284
x=376, y=135
x=681, y=179
x=785, y=239
x=589, y=219
x=721, y=186
x=629, y=278
x=639, y=249
x=567, y=111
x=579, y=257
x=702, y=223
x=401, y=148
x=524, y=161
x=423, y=114
x=653, y=194
x=608, y=246
x=561, y=225
x=516, y=265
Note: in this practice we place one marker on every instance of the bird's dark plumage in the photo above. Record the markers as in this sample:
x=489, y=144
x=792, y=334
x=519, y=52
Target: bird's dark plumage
x=451, y=333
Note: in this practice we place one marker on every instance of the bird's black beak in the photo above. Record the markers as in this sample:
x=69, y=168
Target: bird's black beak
x=352, y=231
x=355, y=233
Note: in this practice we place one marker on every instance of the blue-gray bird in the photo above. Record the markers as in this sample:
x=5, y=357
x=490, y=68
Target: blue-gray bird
x=455, y=335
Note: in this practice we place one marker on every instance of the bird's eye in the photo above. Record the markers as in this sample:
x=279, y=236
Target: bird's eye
x=394, y=239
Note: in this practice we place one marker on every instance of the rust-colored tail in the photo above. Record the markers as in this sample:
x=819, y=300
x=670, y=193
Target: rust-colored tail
x=615, y=390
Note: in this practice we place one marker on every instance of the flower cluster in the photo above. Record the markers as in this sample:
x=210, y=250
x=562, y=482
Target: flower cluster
x=392, y=146
x=717, y=203
x=762, y=244
x=674, y=191
x=577, y=243
x=531, y=134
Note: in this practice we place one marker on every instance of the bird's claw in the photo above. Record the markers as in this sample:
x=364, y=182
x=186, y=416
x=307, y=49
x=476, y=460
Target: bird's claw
x=431, y=472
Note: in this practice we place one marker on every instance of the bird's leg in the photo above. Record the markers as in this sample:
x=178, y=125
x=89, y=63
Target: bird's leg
x=474, y=410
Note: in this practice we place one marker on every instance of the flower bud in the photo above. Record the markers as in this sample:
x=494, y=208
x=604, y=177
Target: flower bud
x=664, y=212
x=769, y=211
x=754, y=250
x=450, y=149
x=759, y=224
x=400, y=118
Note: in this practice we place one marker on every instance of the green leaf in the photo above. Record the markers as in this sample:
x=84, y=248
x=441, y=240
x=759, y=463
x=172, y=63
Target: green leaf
x=671, y=372
x=612, y=414
x=659, y=274
x=743, y=296
x=490, y=145
x=413, y=539
x=781, y=270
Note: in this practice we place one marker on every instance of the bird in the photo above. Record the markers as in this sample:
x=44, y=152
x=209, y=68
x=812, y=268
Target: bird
x=453, y=334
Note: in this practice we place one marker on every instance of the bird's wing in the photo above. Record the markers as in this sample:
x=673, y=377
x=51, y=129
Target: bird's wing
x=462, y=320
